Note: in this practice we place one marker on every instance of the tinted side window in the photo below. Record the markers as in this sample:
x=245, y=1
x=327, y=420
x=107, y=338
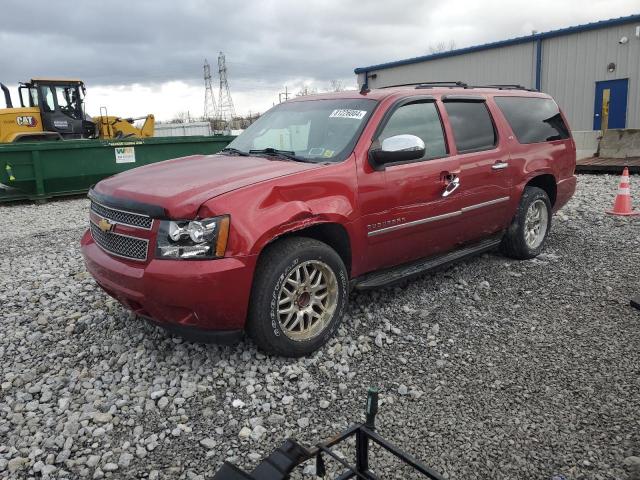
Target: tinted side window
x=533, y=120
x=421, y=120
x=472, y=126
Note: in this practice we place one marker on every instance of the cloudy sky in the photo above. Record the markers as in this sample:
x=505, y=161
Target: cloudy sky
x=144, y=57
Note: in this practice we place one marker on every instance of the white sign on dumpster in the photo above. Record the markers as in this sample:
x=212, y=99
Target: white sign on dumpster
x=125, y=154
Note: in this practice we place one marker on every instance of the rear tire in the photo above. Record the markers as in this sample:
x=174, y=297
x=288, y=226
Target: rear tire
x=299, y=295
x=527, y=234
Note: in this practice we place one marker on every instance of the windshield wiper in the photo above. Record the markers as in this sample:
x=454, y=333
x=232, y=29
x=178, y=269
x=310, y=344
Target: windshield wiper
x=234, y=150
x=291, y=155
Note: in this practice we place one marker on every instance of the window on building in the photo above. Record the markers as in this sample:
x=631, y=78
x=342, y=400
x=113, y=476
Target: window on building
x=533, y=120
x=422, y=120
x=472, y=126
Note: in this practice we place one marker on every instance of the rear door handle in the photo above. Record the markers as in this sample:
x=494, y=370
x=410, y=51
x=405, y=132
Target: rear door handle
x=499, y=165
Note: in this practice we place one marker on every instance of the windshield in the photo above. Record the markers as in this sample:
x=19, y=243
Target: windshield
x=312, y=130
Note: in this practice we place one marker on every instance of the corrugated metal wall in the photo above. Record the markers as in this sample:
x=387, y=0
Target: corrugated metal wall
x=513, y=64
x=571, y=66
x=182, y=129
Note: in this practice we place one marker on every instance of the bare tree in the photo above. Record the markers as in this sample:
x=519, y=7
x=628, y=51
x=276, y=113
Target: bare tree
x=336, y=86
x=306, y=90
x=181, y=117
x=441, y=47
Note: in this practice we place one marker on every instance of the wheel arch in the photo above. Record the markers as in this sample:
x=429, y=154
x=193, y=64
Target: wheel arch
x=334, y=234
x=547, y=183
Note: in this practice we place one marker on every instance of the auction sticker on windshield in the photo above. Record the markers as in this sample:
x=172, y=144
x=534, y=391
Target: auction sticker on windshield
x=348, y=113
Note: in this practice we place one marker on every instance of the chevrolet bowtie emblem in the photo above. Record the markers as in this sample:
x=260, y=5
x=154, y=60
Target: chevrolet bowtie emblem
x=105, y=225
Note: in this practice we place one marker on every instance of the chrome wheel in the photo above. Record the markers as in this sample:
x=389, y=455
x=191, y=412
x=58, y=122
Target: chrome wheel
x=535, y=224
x=307, y=300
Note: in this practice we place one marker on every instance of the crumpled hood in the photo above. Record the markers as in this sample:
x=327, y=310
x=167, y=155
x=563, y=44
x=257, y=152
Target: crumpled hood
x=182, y=185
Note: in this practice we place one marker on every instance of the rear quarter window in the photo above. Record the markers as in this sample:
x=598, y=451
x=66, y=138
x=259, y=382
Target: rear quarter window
x=533, y=120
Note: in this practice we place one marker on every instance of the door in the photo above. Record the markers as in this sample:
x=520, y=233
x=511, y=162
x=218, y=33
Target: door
x=485, y=174
x=610, y=107
x=60, y=113
x=405, y=215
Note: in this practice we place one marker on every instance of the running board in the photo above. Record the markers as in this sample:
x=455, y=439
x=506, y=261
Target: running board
x=408, y=270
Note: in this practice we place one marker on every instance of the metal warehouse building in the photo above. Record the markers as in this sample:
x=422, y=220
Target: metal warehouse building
x=592, y=70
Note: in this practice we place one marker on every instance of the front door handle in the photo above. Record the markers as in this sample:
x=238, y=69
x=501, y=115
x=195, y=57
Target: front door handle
x=499, y=165
x=452, y=186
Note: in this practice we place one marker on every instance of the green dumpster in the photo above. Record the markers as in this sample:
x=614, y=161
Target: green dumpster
x=40, y=170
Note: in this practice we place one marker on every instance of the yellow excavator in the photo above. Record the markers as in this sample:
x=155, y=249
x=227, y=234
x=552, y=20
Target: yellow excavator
x=53, y=109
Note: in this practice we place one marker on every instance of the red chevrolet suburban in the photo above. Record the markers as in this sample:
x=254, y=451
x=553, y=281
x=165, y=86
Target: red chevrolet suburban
x=324, y=194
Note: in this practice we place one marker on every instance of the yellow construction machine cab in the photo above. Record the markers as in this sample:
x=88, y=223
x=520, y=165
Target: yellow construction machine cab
x=61, y=105
x=53, y=109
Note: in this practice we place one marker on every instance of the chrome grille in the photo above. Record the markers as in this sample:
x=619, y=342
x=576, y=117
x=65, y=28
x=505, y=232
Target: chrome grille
x=120, y=245
x=120, y=216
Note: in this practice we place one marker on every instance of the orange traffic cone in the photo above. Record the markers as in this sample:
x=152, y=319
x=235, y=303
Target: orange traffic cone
x=622, y=205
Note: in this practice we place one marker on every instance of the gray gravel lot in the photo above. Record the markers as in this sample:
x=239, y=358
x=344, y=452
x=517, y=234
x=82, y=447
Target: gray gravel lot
x=491, y=369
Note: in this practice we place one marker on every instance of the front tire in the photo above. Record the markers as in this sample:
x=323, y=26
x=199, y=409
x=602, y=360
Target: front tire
x=299, y=295
x=526, y=236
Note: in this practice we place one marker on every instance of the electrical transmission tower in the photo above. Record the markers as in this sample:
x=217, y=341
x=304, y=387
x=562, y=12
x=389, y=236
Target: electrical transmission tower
x=226, y=112
x=210, y=110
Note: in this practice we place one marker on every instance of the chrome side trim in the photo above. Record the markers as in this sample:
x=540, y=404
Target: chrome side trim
x=415, y=222
x=485, y=204
x=436, y=218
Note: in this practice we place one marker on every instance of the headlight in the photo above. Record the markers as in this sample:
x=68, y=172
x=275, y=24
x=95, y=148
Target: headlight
x=185, y=239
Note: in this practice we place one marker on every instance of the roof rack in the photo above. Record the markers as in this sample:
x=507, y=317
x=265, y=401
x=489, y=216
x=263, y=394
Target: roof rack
x=506, y=86
x=443, y=84
x=430, y=84
x=459, y=84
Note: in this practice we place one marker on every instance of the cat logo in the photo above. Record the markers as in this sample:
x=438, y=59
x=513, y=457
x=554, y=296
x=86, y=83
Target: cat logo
x=26, y=121
x=105, y=225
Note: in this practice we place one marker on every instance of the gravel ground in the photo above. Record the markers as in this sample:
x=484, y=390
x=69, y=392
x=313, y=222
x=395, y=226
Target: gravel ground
x=491, y=369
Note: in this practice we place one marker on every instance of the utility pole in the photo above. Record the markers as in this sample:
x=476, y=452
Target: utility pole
x=209, y=98
x=226, y=111
x=284, y=94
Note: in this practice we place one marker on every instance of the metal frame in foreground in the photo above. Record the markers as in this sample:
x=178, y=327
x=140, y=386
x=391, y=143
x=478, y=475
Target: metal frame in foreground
x=291, y=454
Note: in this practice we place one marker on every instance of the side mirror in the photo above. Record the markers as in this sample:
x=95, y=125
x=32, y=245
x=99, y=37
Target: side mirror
x=399, y=148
